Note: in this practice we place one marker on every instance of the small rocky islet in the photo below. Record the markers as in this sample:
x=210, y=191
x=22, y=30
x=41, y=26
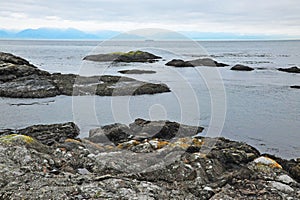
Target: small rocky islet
x=20, y=79
x=142, y=160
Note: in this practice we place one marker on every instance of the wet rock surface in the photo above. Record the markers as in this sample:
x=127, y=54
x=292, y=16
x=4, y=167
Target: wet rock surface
x=131, y=56
x=135, y=168
x=294, y=69
x=242, y=68
x=20, y=79
x=194, y=63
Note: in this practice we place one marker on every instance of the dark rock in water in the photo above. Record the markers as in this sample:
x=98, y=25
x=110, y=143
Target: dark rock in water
x=23, y=80
x=295, y=86
x=48, y=134
x=136, y=71
x=179, y=63
x=207, y=62
x=144, y=169
x=290, y=70
x=242, y=68
x=131, y=56
x=194, y=63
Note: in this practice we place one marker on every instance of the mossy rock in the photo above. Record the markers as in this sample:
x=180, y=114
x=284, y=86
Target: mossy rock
x=15, y=138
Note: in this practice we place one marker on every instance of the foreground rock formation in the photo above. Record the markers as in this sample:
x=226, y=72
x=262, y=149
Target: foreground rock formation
x=194, y=63
x=145, y=160
x=131, y=56
x=20, y=79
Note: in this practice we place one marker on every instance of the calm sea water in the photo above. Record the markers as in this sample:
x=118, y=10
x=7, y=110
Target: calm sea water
x=258, y=107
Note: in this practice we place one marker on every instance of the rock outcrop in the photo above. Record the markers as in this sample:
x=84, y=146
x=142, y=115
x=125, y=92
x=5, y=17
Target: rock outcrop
x=194, y=63
x=141, y=167
x=294, y=69
x=131, y=56
x=241, y=68
x=20, y=79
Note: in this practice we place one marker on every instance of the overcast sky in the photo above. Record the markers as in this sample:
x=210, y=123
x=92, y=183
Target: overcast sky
x=235, y=16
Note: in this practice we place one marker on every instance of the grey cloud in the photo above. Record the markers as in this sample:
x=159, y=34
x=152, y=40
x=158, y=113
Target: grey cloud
x=230, y=12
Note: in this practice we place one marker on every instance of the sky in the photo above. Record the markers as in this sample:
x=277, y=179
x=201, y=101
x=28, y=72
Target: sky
x=242, y=17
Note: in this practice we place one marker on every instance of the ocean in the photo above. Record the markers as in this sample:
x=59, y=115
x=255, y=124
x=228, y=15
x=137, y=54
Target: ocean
x=256, y=107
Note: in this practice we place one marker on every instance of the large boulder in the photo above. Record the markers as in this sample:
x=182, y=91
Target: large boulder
x=142, y=129
x=294, y=69
x=131, y=56
x=241, y=68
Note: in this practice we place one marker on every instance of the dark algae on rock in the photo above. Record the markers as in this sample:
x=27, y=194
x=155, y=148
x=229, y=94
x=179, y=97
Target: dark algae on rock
x=145, y=160
x=20, y=79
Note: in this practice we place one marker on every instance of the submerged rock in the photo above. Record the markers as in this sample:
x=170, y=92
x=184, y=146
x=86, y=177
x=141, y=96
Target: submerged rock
x=136, y=71
x=19, y=79
x=152, y=168
x=294, y=69
x=131, y=56
x=194, y=63
x=242, y=68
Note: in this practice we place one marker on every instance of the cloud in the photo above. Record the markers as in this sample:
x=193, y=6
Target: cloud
x=247, y=16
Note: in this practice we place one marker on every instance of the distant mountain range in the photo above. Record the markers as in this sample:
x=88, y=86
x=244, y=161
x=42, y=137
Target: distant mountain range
x=52, y=33
x=70, y=33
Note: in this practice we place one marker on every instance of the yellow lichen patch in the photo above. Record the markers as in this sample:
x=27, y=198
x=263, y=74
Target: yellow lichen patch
x=161, y=144
x=8, y=139
x=72, y=141
x=200, y=155
x=109, y=147
x=128, y=144
x=197, y=142
x=267, y=162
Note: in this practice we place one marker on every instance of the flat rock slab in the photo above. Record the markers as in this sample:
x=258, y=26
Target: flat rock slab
x=194, y=63
x=19, y=79
x=131, y=56
x=290, y=70
x=136, y=71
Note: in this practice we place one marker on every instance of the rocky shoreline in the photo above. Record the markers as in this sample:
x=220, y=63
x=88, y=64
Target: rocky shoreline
x=20, y=79
x=144, y=160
